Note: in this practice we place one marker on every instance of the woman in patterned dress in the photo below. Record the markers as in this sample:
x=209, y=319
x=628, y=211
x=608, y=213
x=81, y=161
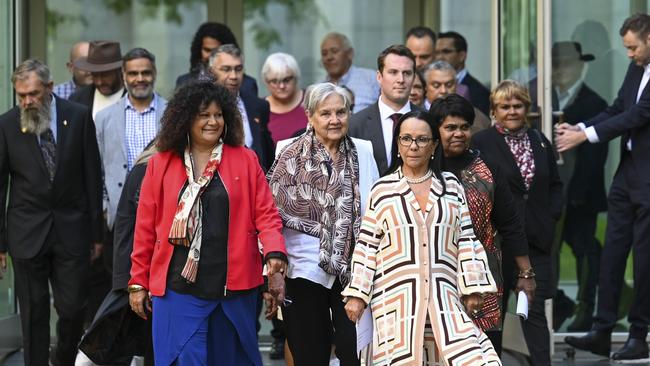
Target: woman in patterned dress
x=528, y=162
x=417, y=263
x=490, y=204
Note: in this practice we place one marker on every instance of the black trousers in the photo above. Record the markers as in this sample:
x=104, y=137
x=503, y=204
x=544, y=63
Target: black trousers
x=99, y=281
x=309, y=328
x=65, y=272
x=535, y=328
x=579, y=230
x=628, y=228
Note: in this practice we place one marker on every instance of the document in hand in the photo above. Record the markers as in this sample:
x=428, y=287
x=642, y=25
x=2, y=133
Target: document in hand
x=364, y=330
x=522, y=305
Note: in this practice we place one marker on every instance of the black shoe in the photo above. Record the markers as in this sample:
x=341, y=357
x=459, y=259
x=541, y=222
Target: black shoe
x=594, y=341
x=633, y=349
x=277, y=349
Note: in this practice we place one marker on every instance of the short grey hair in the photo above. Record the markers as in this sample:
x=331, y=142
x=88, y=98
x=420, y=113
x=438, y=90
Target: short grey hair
x=32, y=65
x=345, y=41
x=230, y=49
x=280, y=64
x=317, y=93
x=438, y=66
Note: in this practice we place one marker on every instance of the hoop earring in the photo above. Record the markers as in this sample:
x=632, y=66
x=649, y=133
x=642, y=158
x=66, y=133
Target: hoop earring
x=225, y=132
x=188, y=140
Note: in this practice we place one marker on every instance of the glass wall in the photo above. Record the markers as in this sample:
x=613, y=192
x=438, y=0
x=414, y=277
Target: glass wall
x=475, y=26
x=584, y=81
x=298, y=27
x=165, y=30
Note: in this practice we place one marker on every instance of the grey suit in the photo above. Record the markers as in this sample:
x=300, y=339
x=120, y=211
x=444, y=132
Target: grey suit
x=110, y=125
x=366, y=125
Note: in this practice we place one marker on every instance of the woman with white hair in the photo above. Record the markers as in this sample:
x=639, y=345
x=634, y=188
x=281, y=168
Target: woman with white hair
x=281, y=74
x=320, y=183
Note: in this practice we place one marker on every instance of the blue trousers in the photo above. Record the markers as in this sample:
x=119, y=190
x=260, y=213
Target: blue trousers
x=191, y=331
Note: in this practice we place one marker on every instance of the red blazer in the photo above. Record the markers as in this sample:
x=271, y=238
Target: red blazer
x=252, y=214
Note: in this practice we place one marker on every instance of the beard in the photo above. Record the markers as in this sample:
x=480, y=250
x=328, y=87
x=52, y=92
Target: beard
x=36, y=120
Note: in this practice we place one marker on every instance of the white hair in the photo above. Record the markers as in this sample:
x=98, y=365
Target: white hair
x=280, y=64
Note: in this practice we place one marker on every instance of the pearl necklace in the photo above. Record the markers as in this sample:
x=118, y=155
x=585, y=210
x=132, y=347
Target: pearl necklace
x=426, y=176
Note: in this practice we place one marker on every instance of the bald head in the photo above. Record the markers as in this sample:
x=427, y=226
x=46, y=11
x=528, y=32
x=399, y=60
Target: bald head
x=80, y=77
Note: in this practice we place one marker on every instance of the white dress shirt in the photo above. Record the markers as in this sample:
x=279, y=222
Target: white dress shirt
x=387, y=123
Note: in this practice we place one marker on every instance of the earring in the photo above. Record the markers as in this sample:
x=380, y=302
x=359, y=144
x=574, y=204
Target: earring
x=432, y=156
x=225, y=132
x=188, y=139
x=398, y=155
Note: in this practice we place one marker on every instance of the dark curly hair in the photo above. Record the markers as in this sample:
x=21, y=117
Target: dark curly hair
x=186, y=104
x=218, y=31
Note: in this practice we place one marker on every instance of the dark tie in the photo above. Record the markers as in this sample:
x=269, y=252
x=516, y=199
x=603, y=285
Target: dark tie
x=395, y=117
x=48, y=149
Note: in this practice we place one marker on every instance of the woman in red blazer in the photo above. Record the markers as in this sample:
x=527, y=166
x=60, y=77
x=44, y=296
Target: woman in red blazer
x=204, y=203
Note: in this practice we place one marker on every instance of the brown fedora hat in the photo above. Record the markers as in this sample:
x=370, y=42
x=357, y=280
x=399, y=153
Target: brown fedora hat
x=102, y=56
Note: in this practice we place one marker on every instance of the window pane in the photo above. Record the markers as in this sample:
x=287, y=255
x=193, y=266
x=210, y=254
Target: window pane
x=298, y=27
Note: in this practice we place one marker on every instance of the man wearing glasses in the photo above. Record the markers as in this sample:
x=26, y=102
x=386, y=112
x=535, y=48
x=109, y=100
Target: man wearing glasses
x=452, y=47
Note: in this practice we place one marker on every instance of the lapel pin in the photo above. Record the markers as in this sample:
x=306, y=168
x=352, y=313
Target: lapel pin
x=23, y=130
x=65, y=122
x=257, y=120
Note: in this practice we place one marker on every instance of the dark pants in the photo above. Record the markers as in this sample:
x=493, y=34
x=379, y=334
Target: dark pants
x=309, y=328
x=535, y=327
x=99, y=279
x=628, y=227
x=579, y=230
x=65, y=272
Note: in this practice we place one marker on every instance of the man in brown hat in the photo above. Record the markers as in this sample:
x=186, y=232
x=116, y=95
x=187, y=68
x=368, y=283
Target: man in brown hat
x=583, y=173
x=104, y=62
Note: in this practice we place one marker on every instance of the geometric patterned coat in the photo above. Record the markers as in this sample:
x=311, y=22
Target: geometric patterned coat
x=412, y=269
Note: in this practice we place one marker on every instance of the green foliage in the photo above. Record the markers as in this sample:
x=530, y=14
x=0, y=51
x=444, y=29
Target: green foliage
x=151, y=7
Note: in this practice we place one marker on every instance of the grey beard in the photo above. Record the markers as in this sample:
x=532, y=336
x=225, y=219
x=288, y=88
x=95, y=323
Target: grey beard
x=35, y=121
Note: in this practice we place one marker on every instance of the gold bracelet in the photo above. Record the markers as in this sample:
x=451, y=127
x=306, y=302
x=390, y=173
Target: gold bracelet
x=135, y=288
x=527, y=273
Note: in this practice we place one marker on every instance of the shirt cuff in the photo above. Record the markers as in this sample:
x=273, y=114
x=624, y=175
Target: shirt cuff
x=592, y=136
x=582, y=125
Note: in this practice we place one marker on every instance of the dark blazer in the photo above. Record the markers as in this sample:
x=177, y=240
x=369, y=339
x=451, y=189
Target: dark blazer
x=542, y=204
x=71, y=204
x=366, y=125
x=86, y=96
x=479, y=95
x=258, y=111
x=249, y=85
x=629, y=119
x=587, y=184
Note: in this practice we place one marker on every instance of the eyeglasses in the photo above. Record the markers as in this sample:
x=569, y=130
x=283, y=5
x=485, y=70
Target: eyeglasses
x=421, y=141
x=285, y=81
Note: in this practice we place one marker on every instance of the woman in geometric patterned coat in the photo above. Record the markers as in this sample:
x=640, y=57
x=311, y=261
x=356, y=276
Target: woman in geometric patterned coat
x=417, y=262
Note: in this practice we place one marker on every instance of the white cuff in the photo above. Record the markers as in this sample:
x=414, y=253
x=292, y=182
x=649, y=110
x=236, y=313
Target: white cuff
x=592, y=136
x=582, y=125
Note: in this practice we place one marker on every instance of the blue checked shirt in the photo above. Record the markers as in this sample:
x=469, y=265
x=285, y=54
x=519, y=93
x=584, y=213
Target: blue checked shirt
x=364, y=85
x=65, y=90
x=141, y=128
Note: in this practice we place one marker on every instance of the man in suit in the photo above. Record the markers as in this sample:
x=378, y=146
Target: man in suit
x=628, y=222
x=452, y=47
x=583, y=173
x=125, y=128
x=440, y=78
x=208, y=38
x=422, y=42
x=104, y=63
x=395, y=74
x=50, y=169
x=227, y=66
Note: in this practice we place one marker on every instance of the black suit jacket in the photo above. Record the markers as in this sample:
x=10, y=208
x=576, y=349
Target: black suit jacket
x=479, y=95
x=248, y=85
x=86, y=96
x=541, y=205
x=366, y=125
x=258, y=111
x=629, y=119
x=587, y=184
x=71, y=204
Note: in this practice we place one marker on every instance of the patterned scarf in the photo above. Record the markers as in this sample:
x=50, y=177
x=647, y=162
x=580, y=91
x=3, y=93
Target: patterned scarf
x=519, y=144
x=187, y=227
x=320, y=198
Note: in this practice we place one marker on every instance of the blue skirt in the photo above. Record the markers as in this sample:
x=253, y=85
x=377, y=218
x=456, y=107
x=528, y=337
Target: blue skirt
x=193, y=331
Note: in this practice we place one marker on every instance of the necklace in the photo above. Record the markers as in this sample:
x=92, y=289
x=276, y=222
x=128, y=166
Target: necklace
x=426, y=176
